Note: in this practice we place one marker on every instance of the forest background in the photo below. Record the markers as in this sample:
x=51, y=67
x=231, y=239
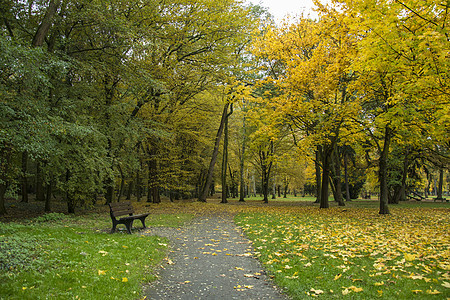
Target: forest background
x=116, y=98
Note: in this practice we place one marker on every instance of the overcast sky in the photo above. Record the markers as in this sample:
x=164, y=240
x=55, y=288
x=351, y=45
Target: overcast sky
x=279, y=8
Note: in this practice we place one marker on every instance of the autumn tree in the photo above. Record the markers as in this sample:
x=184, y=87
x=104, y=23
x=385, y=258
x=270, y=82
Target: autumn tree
x=402, y=70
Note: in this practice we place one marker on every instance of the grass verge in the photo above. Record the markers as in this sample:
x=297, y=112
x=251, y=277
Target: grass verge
x=62, y=257
x=353, y=253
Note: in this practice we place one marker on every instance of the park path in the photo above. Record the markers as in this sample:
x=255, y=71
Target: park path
x=210, y=259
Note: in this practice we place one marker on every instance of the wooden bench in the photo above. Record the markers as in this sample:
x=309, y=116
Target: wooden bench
x=124, y=208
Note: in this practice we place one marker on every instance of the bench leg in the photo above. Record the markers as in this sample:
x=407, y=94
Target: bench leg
x=128, y=224
x=143, y=221
x=113, y=229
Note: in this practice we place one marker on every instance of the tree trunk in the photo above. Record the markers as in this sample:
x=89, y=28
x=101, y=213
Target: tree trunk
x=285, y=190
x=153, y=181
x=440, y=183
x=40, y=195
x=48, y=197
x=225, y=161
x=241, y=168
x=24, y=183
x=347, y=186
x=400, y=194
x=209, y=177
x=129, y=190
x=382, y=173
x=122, y=185
x=318, y=174
x=109, y=191
x=265, y=186
x=44, y=27
x=3, y=188
x=138, y=186
x=337, y=178
x=326, y=165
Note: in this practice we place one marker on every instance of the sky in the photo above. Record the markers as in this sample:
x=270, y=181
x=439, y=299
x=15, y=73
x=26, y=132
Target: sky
x=279, y=8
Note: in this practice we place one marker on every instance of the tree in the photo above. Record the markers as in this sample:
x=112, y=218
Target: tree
x=402, y=69
x=313, y=94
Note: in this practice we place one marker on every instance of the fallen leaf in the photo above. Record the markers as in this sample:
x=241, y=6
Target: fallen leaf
x=101, y=272
x=124, y=279
x=337, y=276
x=317, y=292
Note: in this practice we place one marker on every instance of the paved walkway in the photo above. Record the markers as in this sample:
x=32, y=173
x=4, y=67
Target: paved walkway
x=210, y=259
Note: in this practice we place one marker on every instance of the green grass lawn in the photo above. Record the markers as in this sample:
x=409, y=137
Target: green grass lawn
x=354, y=253
x=63, y=257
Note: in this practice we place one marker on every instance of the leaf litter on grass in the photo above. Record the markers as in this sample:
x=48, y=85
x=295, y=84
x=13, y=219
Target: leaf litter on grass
x=387, y=256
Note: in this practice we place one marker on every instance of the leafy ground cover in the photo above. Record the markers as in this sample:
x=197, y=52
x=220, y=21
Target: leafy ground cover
x=353, y=252
x=349, y=252
x=63, y=257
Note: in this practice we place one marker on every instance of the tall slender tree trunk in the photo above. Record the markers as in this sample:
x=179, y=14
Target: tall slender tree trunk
x=440, y=183
x=24, y=183
x=347, y=185
x=122, y=185
x=129, y=190
x=337, y=178
x=48, y=197
x=382, y=173
x=241, y=168
x=40, y=195
x=318, y=153
x=209, y=177
x=138, y=186
x=326, y=164
x=225, y=162
x=3, y=188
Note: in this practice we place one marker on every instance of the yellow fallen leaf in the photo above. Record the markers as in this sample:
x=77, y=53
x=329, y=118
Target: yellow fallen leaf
x=345, y=292
x=248, y=286
x=409, y=257
x=379, y=283
x=101, y=272
x=435, y=292
x=417, y=291
x=83, y=286
x=317, y=292
x=337, y=276
x=238, y=268
x=24, y=288
x=356, y=289
x=446, y=284
x=103, y=252
x=124, y=279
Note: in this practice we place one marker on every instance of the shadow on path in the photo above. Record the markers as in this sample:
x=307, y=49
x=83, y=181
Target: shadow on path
x=210, y=259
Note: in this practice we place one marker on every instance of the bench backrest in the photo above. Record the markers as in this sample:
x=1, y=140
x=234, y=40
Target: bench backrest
x=121, y=208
